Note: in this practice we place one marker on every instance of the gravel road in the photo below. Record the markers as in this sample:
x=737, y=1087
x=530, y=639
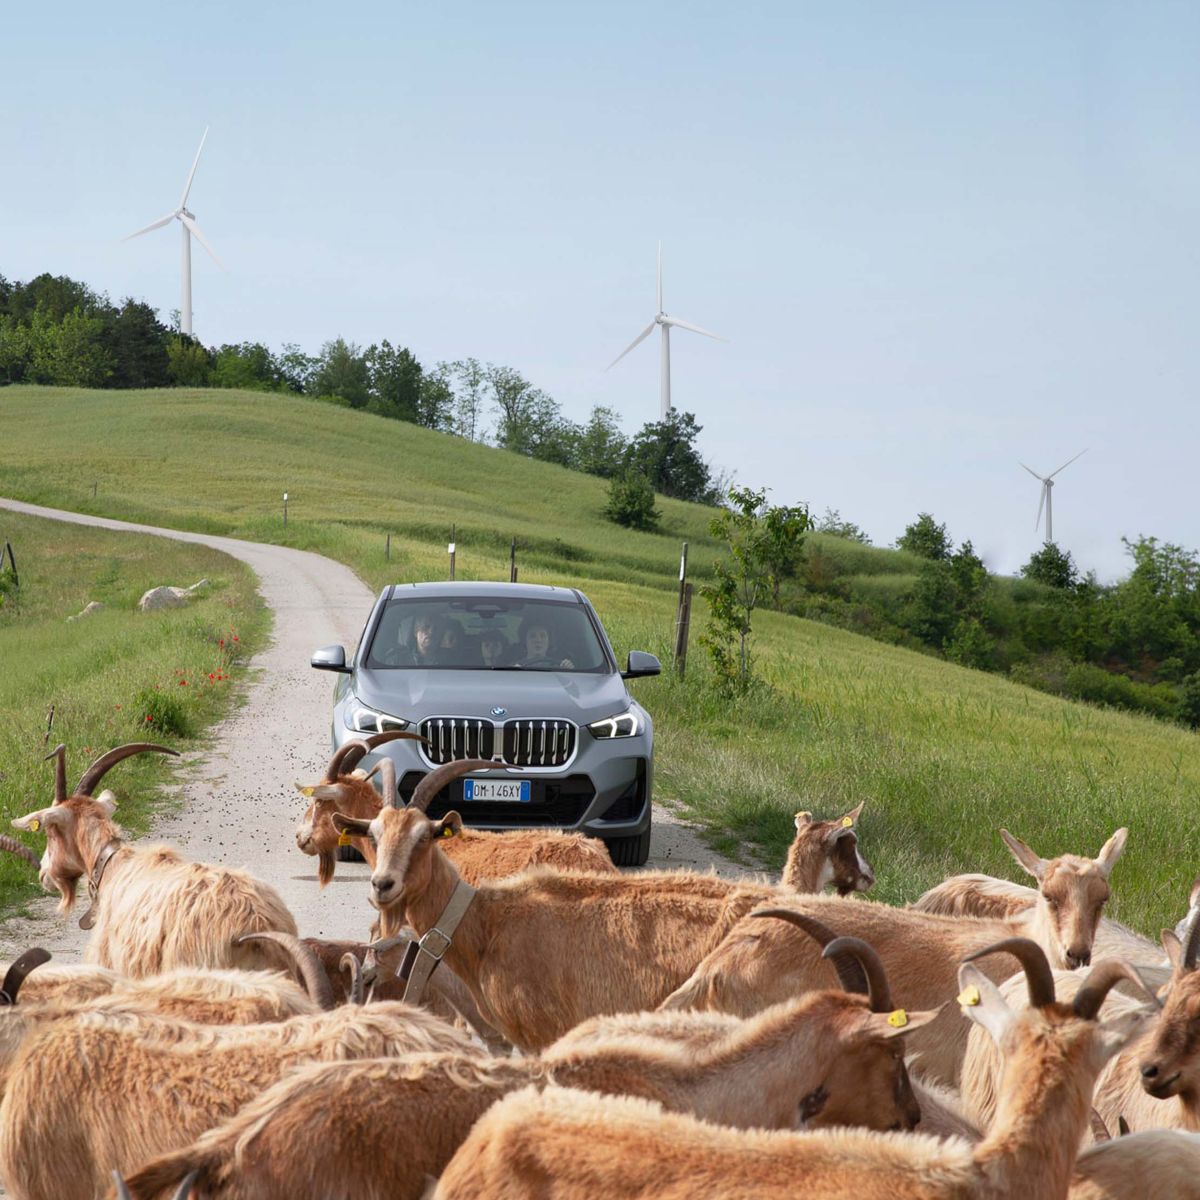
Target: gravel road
x=237, y=802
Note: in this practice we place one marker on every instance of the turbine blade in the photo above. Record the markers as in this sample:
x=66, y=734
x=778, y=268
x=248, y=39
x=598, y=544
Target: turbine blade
x=200, y=238
x=641, y=337
x=660, y=308
x=1033, y=473
x=154, y=225
x=187, y=187
x=1041, y=505
x=694, y=328
x=1069, y=462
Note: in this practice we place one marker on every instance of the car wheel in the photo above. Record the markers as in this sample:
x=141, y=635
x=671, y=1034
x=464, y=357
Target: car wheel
x=349, y=854
x=629, y=851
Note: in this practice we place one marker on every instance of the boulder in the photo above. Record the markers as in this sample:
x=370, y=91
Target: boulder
x=163, y=597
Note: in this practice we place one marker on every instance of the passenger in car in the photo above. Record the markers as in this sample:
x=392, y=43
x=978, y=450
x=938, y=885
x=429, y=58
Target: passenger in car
x=451, y=649
x=493, y=648
x=535, y=637
x=425, y=638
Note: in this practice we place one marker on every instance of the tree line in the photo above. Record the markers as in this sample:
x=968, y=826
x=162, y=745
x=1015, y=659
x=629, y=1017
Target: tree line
x=55, y=330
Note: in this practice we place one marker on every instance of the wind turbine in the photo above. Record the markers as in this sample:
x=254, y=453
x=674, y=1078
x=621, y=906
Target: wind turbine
x=1047, y=488
x=189, y=229
x=665, y=323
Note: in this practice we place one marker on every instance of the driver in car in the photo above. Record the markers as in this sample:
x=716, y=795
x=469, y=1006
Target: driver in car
x=535, y=637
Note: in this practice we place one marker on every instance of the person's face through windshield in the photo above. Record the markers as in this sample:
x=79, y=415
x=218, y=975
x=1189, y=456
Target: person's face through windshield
x=537, y=641
x=492, y=647
x=423, y=632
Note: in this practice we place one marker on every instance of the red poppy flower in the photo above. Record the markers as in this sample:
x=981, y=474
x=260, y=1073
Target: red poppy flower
x=183, y=683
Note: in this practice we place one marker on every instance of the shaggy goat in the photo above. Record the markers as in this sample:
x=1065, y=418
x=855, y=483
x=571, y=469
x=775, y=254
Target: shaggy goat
x=826, y=854
x=1063, y=915
x=827, y=1058
x=478, y=854
x=565, y=1145
x=99, y=1091
x=1159, y=1162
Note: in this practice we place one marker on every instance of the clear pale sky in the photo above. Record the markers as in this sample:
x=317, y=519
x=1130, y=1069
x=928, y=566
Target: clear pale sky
x=941, y=237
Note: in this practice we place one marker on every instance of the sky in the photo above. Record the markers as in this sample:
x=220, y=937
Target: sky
x=942, y=238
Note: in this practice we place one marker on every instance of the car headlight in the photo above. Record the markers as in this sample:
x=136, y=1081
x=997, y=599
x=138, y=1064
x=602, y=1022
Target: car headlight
x=626, y=724
x=367, y=720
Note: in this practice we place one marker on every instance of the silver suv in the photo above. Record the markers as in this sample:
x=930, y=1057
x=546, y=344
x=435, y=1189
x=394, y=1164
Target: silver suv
x=519, y=673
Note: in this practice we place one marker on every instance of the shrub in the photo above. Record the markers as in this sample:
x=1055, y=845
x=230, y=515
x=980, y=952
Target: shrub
x=631, y=502
x=1189, y=701
x=163, y=712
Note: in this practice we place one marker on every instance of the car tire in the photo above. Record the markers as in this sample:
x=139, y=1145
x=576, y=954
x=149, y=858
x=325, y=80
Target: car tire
x=349, y=854
x=629, y=851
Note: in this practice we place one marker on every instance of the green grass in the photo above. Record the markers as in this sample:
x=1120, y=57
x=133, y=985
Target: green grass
x=942, y=755
x=93, y=670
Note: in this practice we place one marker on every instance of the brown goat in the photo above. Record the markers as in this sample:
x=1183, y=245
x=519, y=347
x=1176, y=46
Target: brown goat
x=826, y=854
x=1159, y=1162
x=1063, y=915
x=152, y=910
x=478, y=854
x=94, y=1092
x=828, y=1058
x=565, y=1145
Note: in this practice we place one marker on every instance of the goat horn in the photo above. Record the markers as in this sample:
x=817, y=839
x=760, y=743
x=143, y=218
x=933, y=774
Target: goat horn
x=105, y=763
x=60, y=771
x=437, y=779
x=1099, y=1129
x=347, y=757
x=185, y=1187
x=387, y=783
x=878, y=991
x=123, y=1192
x=1033, y=961
x=15, y=976
x=1191, y=943
x=20, y=850
x=1122, y=1127
x=349, y=963
x=849, y=968
x=1100, y=981
x=390, y=943
x=316, y=982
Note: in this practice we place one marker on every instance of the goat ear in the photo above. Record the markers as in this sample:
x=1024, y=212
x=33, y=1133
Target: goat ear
x=42, y=819
x=1031, y=862
x=1116, y=1033
x=1111, y=851
x=107, y=801
x=1170, y=943
x=352, y=825
x=851, y=818
x=451, y=825
x=982, y=1002
x=801, y=819
x=900, y=1022
x=840, y=831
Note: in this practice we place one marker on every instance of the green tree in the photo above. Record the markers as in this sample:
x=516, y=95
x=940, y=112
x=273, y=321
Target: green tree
x=394, y=381
x=926, y=538
x=70, y=352
x=435, y=401
x=665, y=453
x=832, y=524
x=138, y=342
x=1051, y=566
x=468, y=378
x=15, y=350
x=1189, y=700
x=189, y=364
x=293, y=368
x=342, y=374
x=631, y=502
x=249, y=365
x=600, y=446
x=782, y=544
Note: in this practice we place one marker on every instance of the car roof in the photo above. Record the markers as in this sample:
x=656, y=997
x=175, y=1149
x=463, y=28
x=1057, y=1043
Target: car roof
x=446, y=589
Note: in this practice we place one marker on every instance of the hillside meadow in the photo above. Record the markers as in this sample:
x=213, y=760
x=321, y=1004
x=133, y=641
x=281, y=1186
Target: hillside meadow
x=942, y=755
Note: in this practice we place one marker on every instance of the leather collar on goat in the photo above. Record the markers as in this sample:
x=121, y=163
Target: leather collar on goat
x=102, y=860
x=422, y=957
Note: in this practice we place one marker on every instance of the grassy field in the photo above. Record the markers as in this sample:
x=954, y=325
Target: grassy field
x=942, y=755
x=105, y=673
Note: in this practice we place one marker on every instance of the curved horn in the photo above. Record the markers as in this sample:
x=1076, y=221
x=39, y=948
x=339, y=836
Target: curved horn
x=1033, y=961
x=350, y=964
x=105, y=763
x=60, y=771
x=437, y=779
x=20, y=850
x=348, y=756
x=849, y=968
x=122, y=1188
x=1191, y=943
x=316, y=982
x=185, y=1186
x=867, y=956
x=387, y=783
x=1100, y=981
x=15, y=976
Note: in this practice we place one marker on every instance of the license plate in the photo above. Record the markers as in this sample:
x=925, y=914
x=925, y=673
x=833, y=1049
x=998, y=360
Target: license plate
x=516, y=790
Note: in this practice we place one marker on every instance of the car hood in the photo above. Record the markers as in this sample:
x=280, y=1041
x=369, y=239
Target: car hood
x=417, y=694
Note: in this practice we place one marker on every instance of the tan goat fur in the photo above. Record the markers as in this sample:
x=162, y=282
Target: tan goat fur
x=1143, y=1166
x=1066, y=910
x=565, y=1145
x=826, y=854
x=71, y=982
x=96, y=1091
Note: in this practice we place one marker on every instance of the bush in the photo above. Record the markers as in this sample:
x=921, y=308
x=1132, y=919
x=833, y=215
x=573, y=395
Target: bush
x=631, y=502
x=1189, y=701
x=162, y=712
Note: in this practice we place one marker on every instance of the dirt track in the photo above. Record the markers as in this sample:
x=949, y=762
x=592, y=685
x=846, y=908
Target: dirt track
x=238, y=805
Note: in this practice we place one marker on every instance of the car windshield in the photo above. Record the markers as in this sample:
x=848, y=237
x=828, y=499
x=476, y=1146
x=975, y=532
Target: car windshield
x=486, y=633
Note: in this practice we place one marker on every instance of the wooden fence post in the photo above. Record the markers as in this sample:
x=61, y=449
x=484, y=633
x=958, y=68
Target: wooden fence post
x=682, y=628
x=12, y=562
x=452, y=551
x=387, y=549
x=512, y=562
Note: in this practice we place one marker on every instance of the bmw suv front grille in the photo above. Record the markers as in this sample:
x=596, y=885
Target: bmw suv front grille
x=527, y=742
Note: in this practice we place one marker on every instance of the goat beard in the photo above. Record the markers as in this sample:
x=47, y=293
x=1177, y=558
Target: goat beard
x=326, y=864
x=66, y=889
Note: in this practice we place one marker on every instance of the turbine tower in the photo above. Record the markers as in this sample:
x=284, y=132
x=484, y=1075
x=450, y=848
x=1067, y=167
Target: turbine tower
x=189, y=229
x=664, y=323
x=1046, y=501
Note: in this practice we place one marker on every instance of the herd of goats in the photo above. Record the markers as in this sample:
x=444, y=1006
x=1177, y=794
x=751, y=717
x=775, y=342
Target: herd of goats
x=526, y=1021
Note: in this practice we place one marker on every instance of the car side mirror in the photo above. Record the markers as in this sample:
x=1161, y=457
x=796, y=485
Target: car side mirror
x=330, y=658
x=640, y=663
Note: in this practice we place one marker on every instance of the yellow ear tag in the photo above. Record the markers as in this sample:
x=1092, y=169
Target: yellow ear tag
x=447, y=831
x=34, y=825
x=898, y=1019
x=307, y=791
x=847, y=822
x=343, y=839
x=969, y=997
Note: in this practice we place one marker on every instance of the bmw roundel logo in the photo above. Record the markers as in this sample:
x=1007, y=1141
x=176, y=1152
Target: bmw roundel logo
x=499, y=712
